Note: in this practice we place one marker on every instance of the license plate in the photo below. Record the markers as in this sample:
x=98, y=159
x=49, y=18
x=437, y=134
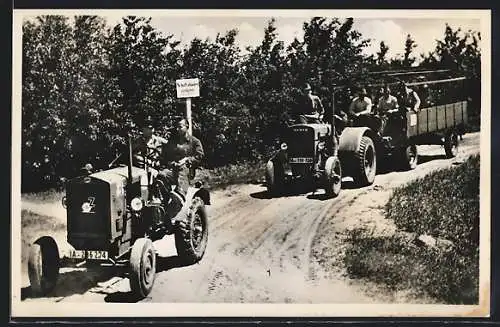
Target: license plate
x=301, y=160
x=89, y=254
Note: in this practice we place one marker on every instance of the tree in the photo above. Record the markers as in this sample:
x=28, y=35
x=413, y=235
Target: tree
x=46, y=79
x=410, y=44
x=381, y=55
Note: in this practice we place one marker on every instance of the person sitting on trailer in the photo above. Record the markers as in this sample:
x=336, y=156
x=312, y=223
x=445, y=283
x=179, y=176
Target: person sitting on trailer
x=387, y=104
x=409, y=99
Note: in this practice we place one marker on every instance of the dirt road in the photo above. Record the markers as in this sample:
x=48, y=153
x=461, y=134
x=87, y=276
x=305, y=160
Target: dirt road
x=281, y=250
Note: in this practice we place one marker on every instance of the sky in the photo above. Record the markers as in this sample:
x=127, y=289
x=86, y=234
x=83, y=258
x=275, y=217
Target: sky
x=389, y=26
x=391, y=30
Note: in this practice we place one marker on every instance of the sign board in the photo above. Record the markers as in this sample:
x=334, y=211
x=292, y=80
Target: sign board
x=188, y=88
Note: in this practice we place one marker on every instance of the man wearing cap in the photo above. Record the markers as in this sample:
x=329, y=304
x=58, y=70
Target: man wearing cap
x=180, y=157
x=310, y=105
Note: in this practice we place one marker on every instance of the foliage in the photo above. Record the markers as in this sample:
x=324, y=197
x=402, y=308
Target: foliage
x=86, y=87
x=443, y=204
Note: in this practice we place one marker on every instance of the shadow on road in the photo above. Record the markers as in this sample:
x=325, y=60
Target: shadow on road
x=72, y=283
x=122, y=297
x=162, y=264
x=426, y=158
x=171, y=262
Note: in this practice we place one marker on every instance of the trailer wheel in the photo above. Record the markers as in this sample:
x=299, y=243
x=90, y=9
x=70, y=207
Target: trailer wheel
x=43, y=265
x=365, y=162
x=274, y=179
x=451, y=145
x=191, y=236
x=333, y=172
x=409, y=157
x=143, y=267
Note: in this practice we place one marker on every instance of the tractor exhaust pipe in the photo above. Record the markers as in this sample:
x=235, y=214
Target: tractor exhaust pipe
x=129, y=163
x=335, y=145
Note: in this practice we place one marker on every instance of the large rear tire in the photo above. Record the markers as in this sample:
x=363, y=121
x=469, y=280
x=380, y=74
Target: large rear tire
x=43, y=265
x=274, y=179
x=451, y=144
x=365, y=162
x=191, y=237
x=333, y=176
x=143, y=267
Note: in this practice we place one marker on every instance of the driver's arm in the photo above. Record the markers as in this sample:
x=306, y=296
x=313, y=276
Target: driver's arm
x=197, y=152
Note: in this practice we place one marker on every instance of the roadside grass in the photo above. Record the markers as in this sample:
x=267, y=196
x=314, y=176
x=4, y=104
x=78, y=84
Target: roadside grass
x=221, y=177
x=34, y=226
x=52, y=195
x=444, y=205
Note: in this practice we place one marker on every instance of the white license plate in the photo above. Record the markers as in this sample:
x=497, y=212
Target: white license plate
x=89, y=254
x=301, y=160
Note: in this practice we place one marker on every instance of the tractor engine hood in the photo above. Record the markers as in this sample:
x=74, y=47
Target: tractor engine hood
x=119, y=175
x=320, y=130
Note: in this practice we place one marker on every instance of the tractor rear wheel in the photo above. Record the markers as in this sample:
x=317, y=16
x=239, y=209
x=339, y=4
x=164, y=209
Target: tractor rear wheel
x=451, y=145
x=274, y=178
x=143, y=267
x=43, y=265
x=191, y=236
x=333, y=176
x=365, y=162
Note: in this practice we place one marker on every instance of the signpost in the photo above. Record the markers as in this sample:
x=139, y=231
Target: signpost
x=188, y=88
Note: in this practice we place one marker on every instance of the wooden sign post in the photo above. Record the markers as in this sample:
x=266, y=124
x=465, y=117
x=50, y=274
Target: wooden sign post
x=188, y=88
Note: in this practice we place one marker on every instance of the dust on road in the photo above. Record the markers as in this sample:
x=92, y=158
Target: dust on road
x=262, y=250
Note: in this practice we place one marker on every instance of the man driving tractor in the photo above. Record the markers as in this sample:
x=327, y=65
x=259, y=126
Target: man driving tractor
x=180, y=157
x=309, y=108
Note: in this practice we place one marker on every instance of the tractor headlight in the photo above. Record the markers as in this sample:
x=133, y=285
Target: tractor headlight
x=321, y=146
x=63, y=202
x=136, y=204
x=284, y=146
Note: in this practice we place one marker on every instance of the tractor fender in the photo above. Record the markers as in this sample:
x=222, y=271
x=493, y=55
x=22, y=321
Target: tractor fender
x=351, y=138
x=200, y=192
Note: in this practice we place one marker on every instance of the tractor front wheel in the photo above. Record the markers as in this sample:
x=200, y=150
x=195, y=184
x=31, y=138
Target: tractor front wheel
x=274, y=178
x=43, y=265
x=143, y=267
x=191, y=236
x=333, y=176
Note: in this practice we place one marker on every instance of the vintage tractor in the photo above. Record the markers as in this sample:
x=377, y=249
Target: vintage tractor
x=308, y=153
x=111, y=221
x=319, y=154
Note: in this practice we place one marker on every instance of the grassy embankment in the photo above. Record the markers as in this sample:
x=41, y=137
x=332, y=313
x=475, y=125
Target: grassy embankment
x=444, y=205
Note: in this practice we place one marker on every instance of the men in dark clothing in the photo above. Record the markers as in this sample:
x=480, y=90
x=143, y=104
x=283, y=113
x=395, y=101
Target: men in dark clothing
x=181, y=155
x=308, y=105
x=409, y=99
